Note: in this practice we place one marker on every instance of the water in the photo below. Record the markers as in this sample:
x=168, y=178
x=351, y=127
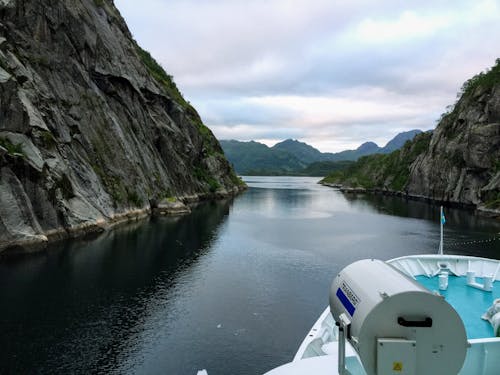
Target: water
x=232, y=288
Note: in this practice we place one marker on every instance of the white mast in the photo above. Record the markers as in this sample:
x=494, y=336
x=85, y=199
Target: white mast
x=442, y=220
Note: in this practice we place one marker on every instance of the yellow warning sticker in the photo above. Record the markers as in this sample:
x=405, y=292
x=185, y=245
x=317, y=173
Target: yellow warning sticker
x=397, y=366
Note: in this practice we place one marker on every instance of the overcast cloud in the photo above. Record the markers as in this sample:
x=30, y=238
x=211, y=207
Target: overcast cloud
x=331, y=73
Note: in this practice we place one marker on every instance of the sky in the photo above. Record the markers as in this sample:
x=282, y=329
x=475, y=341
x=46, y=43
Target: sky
x=330, y=73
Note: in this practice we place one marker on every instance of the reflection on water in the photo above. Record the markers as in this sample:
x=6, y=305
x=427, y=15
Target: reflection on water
x=232, y=288
x=82, y=306
x=465, y=233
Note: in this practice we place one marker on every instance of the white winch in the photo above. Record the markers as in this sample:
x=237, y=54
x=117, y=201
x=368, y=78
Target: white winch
x=395, y=325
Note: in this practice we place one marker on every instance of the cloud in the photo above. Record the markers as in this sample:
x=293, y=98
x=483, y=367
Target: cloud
x=371, y=114
x=334, y=74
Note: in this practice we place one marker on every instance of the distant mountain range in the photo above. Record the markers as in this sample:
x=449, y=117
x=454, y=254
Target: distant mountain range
x=293, y=157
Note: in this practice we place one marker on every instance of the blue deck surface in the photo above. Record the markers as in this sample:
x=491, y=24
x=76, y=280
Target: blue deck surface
x=470, y=303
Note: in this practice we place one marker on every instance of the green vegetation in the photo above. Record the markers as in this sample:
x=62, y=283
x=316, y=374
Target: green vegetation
x=209, y=144
x=324, y=168
x=382, y=171
x=213, y=185
x=202, y=175
x=295, y=158
x=116, y=188
x=113, y=185
x=250, y=157
x=357, y=174
x=49, y=142
x=211, y=148
x=167, y=193
x=235, y=179
x=494, y=201
x=165, y=80
x=496, y=167
x=134, y=198
x=486, y=79
x=316, y=169
x=302, y=151
x=11, y=148
x=99, y=3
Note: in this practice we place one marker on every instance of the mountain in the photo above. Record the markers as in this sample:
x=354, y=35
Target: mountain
x=256, y=158
x=292, y=156
x=399, y=140
x=381, y=171
x=323, y=168
x=92, y=130
x=302, y=151
x=458, y=163
x=368, y=148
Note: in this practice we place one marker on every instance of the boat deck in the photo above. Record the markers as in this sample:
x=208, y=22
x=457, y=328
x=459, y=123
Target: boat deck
x=470, y=303
x=318, y=352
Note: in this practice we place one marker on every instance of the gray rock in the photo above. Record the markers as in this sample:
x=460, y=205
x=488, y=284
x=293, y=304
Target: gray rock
x=101, y=137
x=4, y=76
x=463, y=156
x=458, y=163
x=172, y=206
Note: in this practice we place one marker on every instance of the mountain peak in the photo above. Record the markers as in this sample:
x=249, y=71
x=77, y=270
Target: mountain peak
x=302, y=150
x=399, y=140
x=370, y=147
x=290, y=141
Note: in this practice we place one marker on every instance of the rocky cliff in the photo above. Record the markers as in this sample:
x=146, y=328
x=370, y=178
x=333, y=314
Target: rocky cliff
x=92, y=130
x=459, y=163
x=462, y=162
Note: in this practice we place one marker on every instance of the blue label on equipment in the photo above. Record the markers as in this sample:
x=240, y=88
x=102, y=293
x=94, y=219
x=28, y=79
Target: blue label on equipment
x=345, y=301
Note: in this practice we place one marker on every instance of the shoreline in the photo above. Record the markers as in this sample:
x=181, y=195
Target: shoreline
x=183, y=205
x=479, y=210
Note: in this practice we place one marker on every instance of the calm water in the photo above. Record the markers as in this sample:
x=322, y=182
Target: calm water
x=232, y=288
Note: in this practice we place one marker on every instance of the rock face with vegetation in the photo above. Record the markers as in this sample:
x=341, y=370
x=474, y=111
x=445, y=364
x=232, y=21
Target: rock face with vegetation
x=382, y=171
x=459, y=163
x=92, y=130
x=462, y=162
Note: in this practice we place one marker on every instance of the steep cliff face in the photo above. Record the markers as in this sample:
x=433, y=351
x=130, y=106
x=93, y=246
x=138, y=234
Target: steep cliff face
x=458, y=163
x=462, y=163
x=92, y=130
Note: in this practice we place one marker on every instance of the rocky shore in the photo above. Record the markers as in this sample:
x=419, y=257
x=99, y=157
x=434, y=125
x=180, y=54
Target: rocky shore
x=177, y=207
x=480, y=210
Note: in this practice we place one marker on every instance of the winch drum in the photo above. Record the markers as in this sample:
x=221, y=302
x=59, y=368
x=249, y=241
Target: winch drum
x=382, y=305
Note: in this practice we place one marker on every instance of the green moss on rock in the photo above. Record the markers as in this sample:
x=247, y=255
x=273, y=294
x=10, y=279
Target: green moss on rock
x=485, y=80
x=165, y=80
x=12, y=148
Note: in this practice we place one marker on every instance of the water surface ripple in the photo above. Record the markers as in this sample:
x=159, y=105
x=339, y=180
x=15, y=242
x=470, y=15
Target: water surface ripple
x=232, y=288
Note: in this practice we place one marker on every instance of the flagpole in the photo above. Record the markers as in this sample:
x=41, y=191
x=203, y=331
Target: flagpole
x=441, y=241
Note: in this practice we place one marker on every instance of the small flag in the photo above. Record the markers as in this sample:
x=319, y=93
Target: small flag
x=443, y=219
